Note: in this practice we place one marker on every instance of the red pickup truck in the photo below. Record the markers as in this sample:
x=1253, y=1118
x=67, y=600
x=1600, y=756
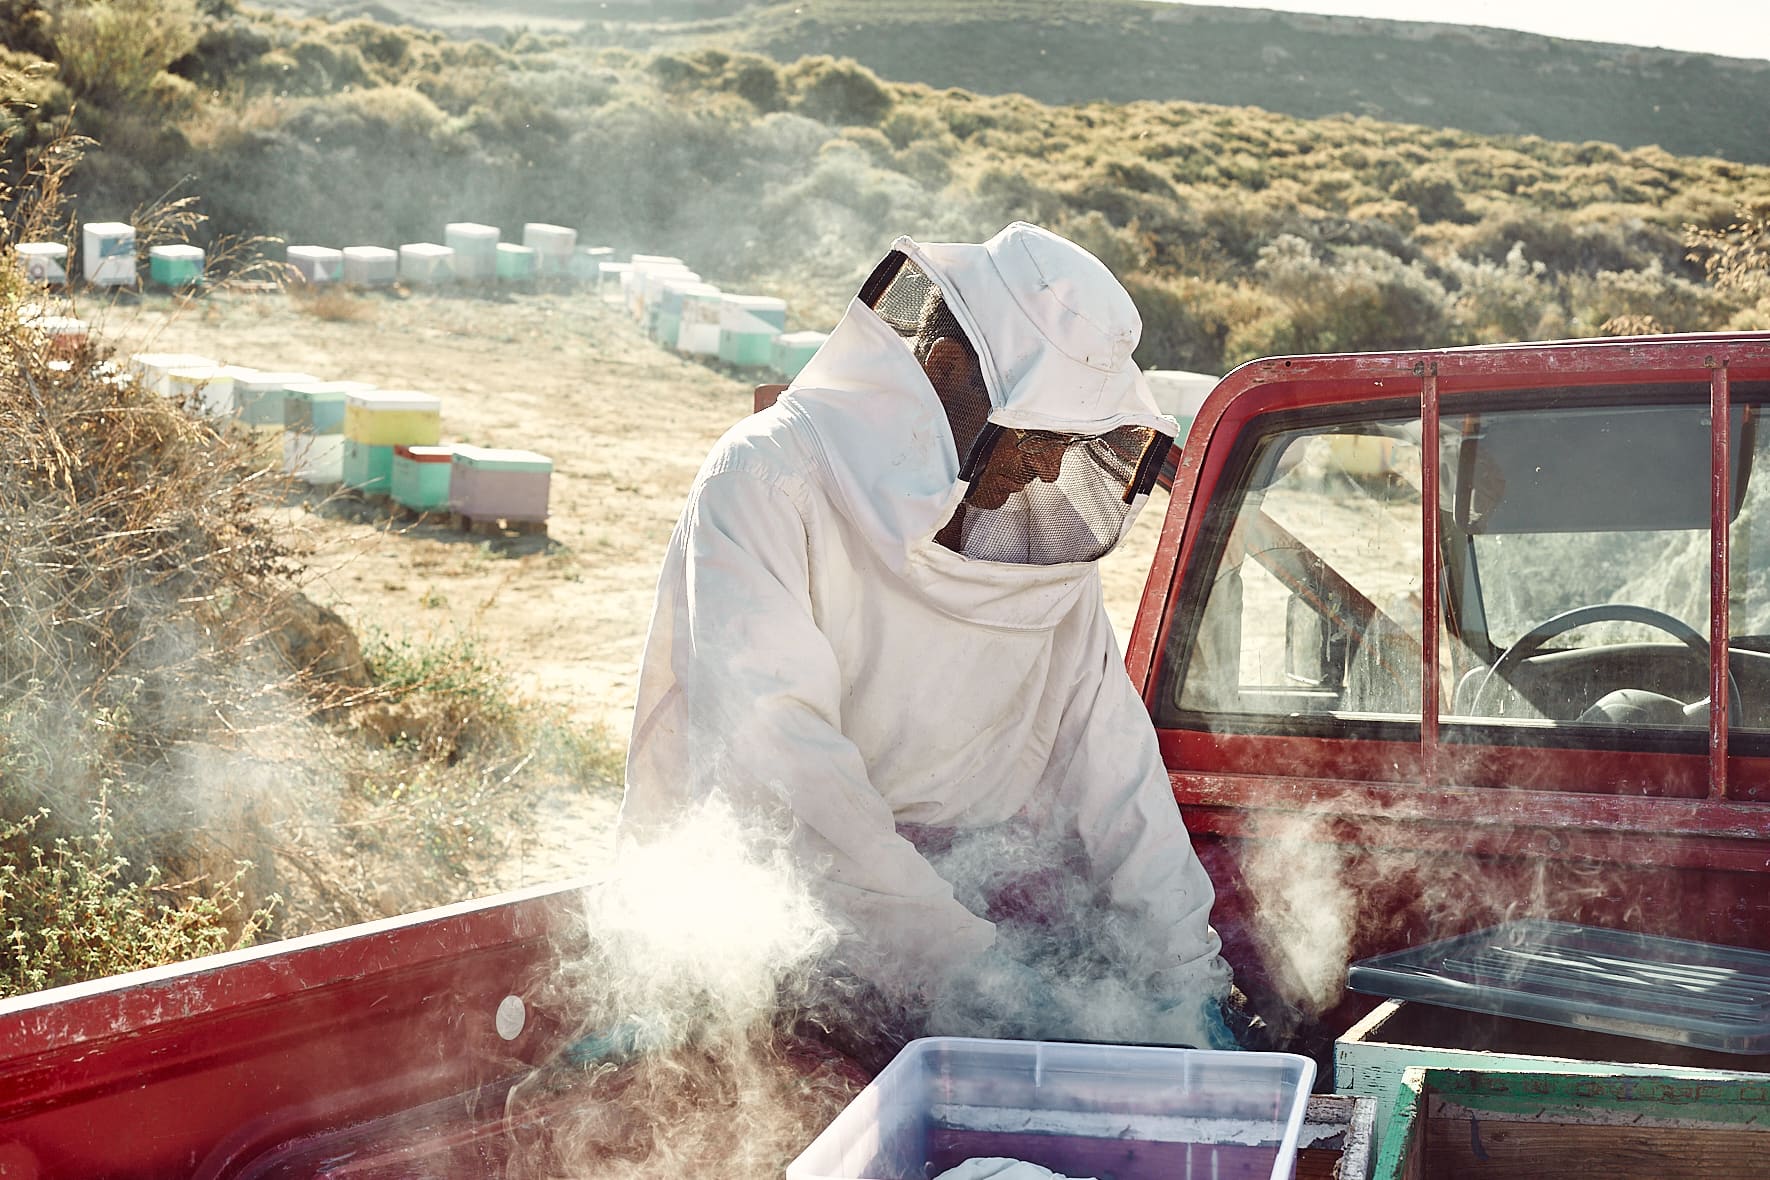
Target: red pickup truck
x=1578, y=728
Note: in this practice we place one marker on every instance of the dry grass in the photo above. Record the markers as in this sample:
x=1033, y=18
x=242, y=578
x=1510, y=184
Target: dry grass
x=331, y=302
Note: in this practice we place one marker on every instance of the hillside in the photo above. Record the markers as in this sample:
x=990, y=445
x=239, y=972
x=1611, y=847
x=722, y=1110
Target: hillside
x=1076, y=51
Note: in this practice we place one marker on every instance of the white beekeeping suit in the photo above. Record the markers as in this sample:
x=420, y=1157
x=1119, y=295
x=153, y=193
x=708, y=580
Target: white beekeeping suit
x=880, y=614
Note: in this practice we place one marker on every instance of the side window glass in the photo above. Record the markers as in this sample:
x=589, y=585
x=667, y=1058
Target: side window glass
x=1748, y=600
x=1314, y=607
x=1576, y=544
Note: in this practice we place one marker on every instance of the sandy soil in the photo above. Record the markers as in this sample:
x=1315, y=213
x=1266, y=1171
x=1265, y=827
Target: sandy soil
x=626, y=424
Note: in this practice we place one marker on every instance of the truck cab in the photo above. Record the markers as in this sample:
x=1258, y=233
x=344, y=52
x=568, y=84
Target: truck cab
x=1579, y=726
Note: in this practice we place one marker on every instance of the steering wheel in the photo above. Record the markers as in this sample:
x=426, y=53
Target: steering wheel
x=1532, y=641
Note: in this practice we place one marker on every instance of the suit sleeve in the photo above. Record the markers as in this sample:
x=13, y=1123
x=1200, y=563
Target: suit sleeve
x=756, y=716
x=1111, y=775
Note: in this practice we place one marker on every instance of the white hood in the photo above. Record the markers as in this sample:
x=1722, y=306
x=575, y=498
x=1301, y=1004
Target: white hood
x=1060, y=364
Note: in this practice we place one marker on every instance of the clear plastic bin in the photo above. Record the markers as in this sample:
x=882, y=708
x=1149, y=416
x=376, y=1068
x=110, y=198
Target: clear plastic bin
x=1130, y=1112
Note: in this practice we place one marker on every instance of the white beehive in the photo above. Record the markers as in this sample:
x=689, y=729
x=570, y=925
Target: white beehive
x=553, y=246
x=587, y=263
x=207, y=389
x=43, y=262
x=475, y=247
x=698, y=326
x=370, y=266
x=647, y=287
x=107, y=253
x=644, y=260
x=150, y=368
x=426, y=263
x=317, y=264
x=611, y=279
x=767, y=308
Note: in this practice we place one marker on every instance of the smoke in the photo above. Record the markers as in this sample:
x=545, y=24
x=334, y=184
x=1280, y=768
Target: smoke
x=1306, y=911
x=1066, y=964
x=704, y=947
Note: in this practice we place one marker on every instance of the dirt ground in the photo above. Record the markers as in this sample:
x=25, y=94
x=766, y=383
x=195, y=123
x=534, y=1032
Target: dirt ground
x=626, y=423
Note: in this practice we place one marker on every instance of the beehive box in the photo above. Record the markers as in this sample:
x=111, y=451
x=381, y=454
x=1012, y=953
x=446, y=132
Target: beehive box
x=701, y=310
x=150, y=368
x=318, y=407
x=490, y=484
x=793, y=350
x=370, y=266
x=314, y=458
x=475, y=247
x=645, y=287
x=206, y=389
x=64, y=335
x=426, y=264
x=667, y=308
x=259, y=397
x=1465, y=1124
x=316, y=264
x=107, y=253
x=368, y=467
x=517, y=264
x=587, y=263
x=43, y=262
x=175, y=265
x=1372, y=1055
x=421, y=477
x=745, y=340
x=767, y=308
x=389, y=417
x=554, y=246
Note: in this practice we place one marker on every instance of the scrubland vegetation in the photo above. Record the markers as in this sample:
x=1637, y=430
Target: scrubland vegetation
x=192, y=754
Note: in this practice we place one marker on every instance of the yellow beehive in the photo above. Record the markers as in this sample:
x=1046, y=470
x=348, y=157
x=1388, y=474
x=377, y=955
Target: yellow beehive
x=389, y=418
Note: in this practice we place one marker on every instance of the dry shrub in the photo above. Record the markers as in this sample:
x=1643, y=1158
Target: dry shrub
x=331, y=303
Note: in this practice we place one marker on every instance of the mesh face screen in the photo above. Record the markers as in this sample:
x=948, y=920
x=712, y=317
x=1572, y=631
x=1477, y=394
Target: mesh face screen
x=1039, y=498
x=911, y=303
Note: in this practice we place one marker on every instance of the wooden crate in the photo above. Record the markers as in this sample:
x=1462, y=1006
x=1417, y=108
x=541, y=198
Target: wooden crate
x=1338, y=1140
x=1370, y=1058
x=1453, y=1124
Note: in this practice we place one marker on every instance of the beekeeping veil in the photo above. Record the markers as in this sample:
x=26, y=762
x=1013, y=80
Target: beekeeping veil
x=1027, y=340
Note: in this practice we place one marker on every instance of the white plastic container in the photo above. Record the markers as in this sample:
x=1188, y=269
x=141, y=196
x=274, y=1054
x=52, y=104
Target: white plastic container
x=317, y=264
x=43, y=262
x=370, y=266
x=476, y=249
x=553, y=246
x=107, y=253
x=1127, y=1111
x=426, y=264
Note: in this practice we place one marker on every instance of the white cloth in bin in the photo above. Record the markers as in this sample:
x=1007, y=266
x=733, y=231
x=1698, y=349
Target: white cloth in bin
x=817, y=658
x=999, y=1168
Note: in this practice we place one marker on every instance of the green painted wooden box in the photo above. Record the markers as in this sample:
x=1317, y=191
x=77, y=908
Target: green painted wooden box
x=368, y=467
x=421, y=477
x=1472, y=1124
x=1371, y=1056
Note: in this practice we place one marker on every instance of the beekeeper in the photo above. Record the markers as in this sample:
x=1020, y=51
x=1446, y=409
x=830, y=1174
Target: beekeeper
x=879, y=623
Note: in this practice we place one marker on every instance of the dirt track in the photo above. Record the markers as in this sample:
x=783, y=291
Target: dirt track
x=626, y=424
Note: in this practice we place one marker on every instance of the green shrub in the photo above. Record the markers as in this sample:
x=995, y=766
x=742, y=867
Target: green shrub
x=841, y=92
x=112, y=51
x=76, y=909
